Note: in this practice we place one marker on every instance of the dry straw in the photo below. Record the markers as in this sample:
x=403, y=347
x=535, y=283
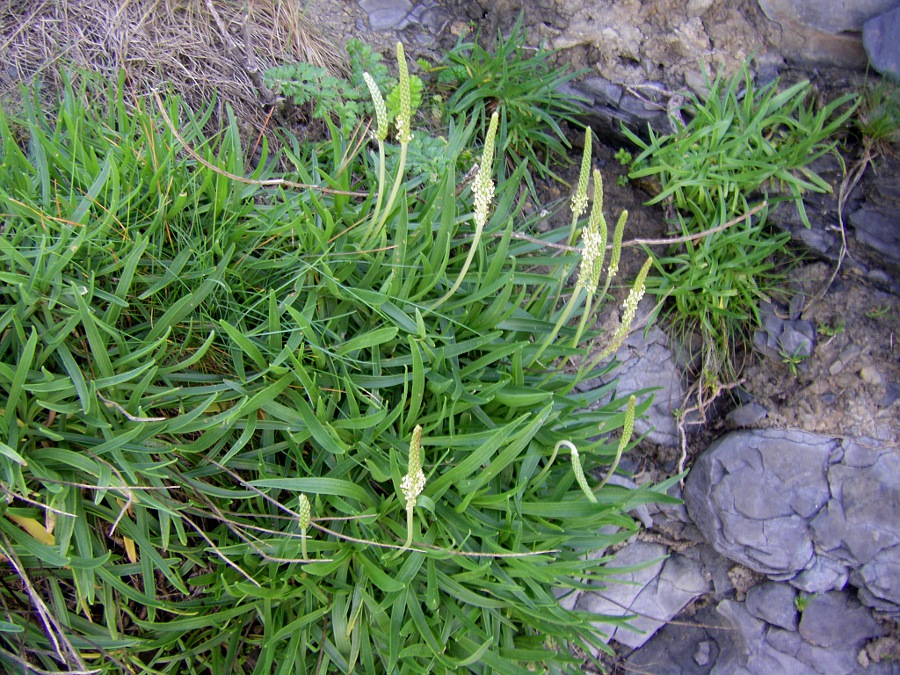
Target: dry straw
x=199, y=48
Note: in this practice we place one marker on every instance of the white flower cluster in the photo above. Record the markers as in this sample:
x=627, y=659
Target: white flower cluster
x=592, y=253
x=484, y=185
x=414, y=481
x=412, y=486
x=634, y=297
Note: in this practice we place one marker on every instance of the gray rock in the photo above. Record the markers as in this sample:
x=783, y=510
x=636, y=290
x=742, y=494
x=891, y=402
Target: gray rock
x=874, y=228
x=837, y=618
x=832, y=16
x=859, y=525
x=774, y=603
x=798, y=506
x=689, y=647
x=747, y=415
x=752, y=492
x=806, y=658
x=656, y=592
x=878, y=581
x=603, y=91
x=824, y=575
x=386, y=19
x=880, y=41
x=647, y=362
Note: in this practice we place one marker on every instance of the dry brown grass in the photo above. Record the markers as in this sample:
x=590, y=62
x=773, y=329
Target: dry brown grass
x=197, y=47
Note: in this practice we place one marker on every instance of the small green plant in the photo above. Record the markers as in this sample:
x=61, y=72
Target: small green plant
x=830, y=330
x=746, y=148
x=793, y=359
x=622, y=180
x=623, y=157
x=342, y=100
x=878, y=312
x=522, y=86
x=878, y=118
x=801, y=600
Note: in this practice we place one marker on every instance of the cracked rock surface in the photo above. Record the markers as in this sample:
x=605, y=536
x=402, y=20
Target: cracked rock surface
x=805, y=508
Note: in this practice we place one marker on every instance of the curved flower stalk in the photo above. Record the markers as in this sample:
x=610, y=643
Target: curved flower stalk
x=403, y=123
x=627, y=431
x=381, y=132
x=483, y=187
x=413, y=482
x=578, y=470
x=630, y=309
x=304, y=514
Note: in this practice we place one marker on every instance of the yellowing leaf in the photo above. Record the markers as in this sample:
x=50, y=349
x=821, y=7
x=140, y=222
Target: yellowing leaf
x=130, y=550
x=34, y=528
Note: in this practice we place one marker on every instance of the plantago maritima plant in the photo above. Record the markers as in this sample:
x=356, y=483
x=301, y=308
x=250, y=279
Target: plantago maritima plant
x=304, y=512
x=403, y=123
x=483, y=187
x=413, y=482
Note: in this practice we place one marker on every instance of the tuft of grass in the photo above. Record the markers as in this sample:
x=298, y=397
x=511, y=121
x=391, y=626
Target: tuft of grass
x=211, y=380
x=746, y=148
x=522, y=86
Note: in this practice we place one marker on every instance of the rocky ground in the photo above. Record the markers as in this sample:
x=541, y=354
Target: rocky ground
x=785, y=556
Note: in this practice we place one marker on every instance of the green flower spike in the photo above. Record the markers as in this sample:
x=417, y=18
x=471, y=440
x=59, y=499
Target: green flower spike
x=304, y=517
x=580, y=199
x=617, y=244
x=404, y=116
x=593, y=237
x=483, y=187
x=627, y=431
x=413, y=482
x=381, y=116
x=630, y=308
x=579, y=474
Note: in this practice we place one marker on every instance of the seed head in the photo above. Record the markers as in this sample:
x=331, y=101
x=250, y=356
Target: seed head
x=304, y=512
x=404, y=116
x=617, y=244
x=381, y=117
x=414, y=481
x=579, y=199
x=483, y=185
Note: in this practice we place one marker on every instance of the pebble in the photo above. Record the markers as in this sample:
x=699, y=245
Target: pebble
x=870, y=375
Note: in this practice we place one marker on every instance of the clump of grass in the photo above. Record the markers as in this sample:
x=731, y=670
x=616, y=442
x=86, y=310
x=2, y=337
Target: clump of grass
x=211, y=380
x=746, y=148
x=522, y=86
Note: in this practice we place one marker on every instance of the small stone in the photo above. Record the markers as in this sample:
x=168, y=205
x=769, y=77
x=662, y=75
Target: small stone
x=701, y=655
x=880, y=41
x=836, y=618
x=870, y=375
x=747, y=415
x=774, y=603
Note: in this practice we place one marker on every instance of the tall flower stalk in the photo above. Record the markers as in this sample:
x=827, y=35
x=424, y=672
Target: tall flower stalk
x=304, y=513
x=381, y=132
x=593, y=254
x=580, y=199
x=413, y=482
x=624, y=440
x=403, y=124
x=628, y=314
x=483, y=187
